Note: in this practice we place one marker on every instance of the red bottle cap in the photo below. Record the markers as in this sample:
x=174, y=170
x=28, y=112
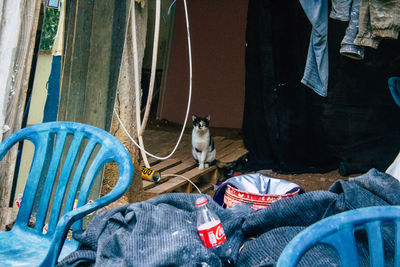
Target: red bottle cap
x=201, y=201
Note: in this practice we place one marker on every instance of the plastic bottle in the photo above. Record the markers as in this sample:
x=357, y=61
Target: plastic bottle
x=209, y=225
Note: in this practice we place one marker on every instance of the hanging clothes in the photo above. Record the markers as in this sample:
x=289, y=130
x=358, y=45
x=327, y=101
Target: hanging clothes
x=289, y=128
x=340, y=10
x=317, y=67
x=316, y=74
x=378, y=19
x=348, y=48
x=394, y=87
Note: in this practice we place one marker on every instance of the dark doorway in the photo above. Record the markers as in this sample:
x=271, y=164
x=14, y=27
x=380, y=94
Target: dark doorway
x=289, y=128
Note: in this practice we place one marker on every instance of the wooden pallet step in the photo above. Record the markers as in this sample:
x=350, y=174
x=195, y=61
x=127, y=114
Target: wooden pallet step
x=180, y=168
x=166, y=164
x=177, y=182
x=151, y=161
x=177, y=169
x=147, y=184
x=229, y=149
x=222, y=144
x=219, y=138
x=234, y=155
x=159, y=167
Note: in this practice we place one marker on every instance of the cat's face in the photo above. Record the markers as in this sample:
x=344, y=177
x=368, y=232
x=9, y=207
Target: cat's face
x=200, y=123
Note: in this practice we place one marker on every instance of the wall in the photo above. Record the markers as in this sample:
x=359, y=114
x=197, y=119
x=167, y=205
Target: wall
x=217, y=30
x=9, y=29
x=18, y=27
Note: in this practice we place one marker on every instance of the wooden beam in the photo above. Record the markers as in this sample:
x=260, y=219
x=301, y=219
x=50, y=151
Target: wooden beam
x=75, y=71
x=163, y=165
x=20, y=64
x=125, y=103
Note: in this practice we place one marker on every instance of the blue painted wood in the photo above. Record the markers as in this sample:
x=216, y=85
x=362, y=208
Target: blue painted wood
x=25, y=246
x=338, y=232
x=53, y=91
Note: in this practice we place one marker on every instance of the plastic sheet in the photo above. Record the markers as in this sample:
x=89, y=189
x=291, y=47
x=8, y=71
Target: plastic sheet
x=256, y=184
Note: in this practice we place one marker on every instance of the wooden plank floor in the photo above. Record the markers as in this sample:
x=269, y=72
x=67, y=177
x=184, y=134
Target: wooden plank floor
x=181, y=163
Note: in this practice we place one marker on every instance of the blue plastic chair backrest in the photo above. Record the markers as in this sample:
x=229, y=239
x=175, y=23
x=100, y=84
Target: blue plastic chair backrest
x=71, y=175
x=338, y=232
x=394, y=87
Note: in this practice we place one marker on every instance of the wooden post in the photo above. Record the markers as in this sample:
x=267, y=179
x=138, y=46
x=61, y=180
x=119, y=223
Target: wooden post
x=17, y=43
x=125, y=100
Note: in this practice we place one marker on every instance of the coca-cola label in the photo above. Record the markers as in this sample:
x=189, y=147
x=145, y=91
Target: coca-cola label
x=212, y=236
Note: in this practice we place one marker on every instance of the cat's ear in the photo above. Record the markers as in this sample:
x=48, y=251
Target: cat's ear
x=194, y=117
x=208, y=117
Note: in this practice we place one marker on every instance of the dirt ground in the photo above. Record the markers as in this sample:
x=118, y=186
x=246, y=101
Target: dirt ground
x=311, y=181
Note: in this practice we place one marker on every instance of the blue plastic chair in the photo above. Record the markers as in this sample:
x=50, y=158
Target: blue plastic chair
x=26, y=246
x=394, y=87
x=338, y=232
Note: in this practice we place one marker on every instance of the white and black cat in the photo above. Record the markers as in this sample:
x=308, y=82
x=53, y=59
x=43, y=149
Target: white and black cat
x=203, y=149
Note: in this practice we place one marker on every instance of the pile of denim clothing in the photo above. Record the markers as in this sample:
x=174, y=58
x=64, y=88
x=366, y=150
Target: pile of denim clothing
x=370, y=21
x=162, y=231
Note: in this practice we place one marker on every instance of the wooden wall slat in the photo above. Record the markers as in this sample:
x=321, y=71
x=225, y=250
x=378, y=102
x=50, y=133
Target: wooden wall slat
x=67, y=57
x=30, y=11
x=95, y=33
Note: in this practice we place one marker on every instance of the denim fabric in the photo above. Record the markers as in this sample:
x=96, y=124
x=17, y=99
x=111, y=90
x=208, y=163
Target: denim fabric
x=53, y=91
x=394, y=87
x=277, y=224
x=378, y=19
x=158, y=232
x=348, y=48
x=162, y=231
x=340, y=10
x=317, y=66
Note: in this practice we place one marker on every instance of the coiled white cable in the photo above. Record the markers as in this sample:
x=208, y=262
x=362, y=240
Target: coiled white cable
x=137, y=93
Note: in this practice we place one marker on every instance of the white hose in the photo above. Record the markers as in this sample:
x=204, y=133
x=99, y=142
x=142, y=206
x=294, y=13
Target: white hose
x=136, y=80
x=181, y=176
x=141, y=147
x=153, y=67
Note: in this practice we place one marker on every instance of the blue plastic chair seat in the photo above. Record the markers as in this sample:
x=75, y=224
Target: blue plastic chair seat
x=20, y=242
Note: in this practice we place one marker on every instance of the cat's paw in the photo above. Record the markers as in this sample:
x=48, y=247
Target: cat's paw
x=201, y=166
x=206, y=165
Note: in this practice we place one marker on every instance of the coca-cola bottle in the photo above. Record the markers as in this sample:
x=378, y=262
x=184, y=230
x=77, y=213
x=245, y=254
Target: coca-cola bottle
x=209, y=225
